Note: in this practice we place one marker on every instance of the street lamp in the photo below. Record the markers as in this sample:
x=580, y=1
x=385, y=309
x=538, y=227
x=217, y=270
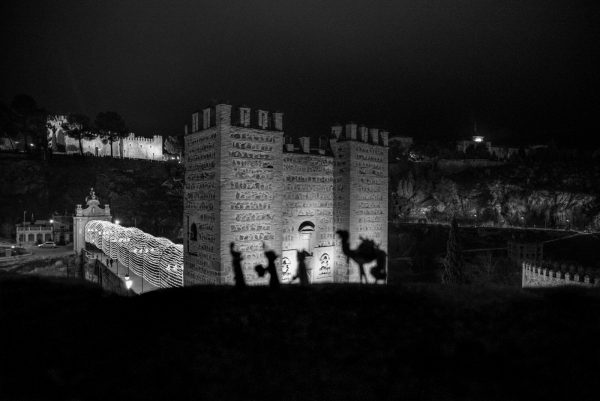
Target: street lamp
x=128, y=282
x=117, y=222
x=52, y=225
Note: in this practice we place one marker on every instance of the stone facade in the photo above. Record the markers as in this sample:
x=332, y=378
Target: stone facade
x=131, y=147
x=245, y=186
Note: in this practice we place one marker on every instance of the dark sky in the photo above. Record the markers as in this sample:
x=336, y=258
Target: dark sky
x=421, y=68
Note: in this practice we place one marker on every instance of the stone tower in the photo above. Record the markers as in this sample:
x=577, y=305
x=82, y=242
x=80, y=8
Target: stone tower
x=360, y=203
x=93, y=211
x=233, y=191
x=242, y=185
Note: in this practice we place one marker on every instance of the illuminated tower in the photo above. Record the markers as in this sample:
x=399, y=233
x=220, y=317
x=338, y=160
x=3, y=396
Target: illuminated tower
x=360, y=191
x=233, y=191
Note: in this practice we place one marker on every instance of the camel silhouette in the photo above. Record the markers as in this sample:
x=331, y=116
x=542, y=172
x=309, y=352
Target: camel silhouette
x=261, y=270
x=366, y=252
x=302, y=273
x=236, y=261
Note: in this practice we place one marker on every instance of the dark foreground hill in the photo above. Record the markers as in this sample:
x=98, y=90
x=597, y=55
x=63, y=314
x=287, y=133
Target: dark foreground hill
x=62, y=340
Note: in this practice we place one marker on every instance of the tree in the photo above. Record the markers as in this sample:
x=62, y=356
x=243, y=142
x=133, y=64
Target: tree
x=78, y=126
x=111, y=127
x=29, y=121
x=453, y=263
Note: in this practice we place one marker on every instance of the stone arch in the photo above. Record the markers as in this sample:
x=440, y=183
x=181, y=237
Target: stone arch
x=306, y=231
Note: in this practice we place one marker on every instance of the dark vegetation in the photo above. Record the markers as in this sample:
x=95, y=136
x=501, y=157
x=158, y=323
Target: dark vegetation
x=553, y=189
x=65, y=340
x=142, y=193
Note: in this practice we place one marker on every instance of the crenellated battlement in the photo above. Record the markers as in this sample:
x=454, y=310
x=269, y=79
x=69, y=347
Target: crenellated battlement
x=307, y=145
x=359, y=133
x=239, y=116
x=541, y=274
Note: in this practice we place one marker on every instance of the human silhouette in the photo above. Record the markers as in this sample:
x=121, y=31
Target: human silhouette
x=366, y=252
x=271, y=269
x=302, y=272
x=236, y=261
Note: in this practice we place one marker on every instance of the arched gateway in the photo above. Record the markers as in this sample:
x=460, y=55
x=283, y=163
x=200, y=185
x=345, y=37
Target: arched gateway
x=93, y=211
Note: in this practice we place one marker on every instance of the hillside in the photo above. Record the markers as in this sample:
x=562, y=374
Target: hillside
x=545, y=193
x=328, y=342
x=148, y=194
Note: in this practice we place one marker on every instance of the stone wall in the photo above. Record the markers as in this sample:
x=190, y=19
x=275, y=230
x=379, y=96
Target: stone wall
x=251, y=197
x=133, y=147
x=234, y=183
x=201, y=209
x=361, y=187
x=536, y=274
x=308, y=214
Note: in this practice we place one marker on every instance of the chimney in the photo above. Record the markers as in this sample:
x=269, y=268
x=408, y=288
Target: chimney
x=305, y=144
x=351, y=131
x=363, y=133
x=223, y=114
x=374, y=133
x=383, y=138
x=278, y=121
x=336, y=131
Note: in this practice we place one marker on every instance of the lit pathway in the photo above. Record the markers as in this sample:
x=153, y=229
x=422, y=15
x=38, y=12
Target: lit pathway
x=137, y=285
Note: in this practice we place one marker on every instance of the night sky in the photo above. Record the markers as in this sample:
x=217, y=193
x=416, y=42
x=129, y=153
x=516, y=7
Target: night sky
x=526, y=70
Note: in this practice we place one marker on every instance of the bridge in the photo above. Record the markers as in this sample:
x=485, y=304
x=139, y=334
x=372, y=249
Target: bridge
x=157, y=261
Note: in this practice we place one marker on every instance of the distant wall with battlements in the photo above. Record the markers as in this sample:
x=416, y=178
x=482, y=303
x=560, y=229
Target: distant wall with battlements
x=133, y=147
x=543, y=274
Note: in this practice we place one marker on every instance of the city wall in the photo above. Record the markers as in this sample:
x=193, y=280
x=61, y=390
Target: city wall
x=133, y=147
x=537, y=274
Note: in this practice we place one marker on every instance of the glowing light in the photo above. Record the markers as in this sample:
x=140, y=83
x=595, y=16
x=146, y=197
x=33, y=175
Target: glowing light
x=477, y=139
x=117, y=222
x=128, y=282
x=159, y=260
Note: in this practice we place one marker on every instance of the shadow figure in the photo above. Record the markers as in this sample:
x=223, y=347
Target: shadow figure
x=236, y=261
x=366, y=252
x=302, y=272
x=271, y=269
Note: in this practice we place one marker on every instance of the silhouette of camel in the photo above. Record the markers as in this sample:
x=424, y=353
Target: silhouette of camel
x=302, y=273
x=261, y=270
x=236, y=261
x=366, y=252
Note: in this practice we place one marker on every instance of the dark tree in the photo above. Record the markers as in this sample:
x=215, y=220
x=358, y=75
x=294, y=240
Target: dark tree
x=453, y=263
x=78, y=126
x=111, y=127
x=28, y=120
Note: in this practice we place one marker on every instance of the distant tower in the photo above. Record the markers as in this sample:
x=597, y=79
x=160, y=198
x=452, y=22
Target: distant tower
x=93, y=211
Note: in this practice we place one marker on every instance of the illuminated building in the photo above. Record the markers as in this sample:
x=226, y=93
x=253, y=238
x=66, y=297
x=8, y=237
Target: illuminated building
x=130, y=147
x=245, y=183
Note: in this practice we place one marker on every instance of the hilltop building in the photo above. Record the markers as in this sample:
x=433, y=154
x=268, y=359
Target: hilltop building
x=131, y=147
x=247, y=184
